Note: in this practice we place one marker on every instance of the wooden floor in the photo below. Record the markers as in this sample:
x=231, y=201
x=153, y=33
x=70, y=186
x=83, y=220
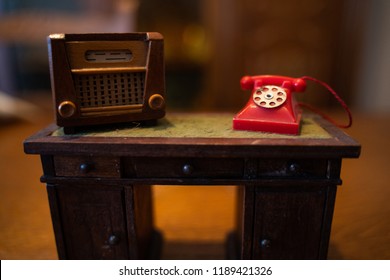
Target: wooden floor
x=195, y=220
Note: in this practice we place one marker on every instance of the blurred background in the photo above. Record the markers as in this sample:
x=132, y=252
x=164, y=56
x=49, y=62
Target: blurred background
x=209, y=46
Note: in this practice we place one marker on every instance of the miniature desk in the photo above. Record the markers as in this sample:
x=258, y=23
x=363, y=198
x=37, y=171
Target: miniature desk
x=98, y=184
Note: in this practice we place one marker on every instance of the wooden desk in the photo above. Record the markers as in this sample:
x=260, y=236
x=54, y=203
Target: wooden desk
x=98, y=184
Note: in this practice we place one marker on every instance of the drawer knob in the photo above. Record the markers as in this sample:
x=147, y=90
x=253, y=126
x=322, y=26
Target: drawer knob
x=265, y=243
x=113, y=240
x=85, y=168
x=293, y=167
x=188, y=169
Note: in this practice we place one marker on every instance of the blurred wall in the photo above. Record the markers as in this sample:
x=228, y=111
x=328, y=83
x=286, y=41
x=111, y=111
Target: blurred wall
x=373, y=82
x=231, y=38
x=291, y=38
x=25, y=24
x=211, y=44
x=344, y=43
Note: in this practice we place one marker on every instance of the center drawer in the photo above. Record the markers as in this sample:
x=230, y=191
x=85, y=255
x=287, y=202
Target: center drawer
x=183, y=167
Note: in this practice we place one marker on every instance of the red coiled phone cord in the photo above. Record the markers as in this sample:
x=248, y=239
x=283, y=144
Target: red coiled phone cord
x=334, y=93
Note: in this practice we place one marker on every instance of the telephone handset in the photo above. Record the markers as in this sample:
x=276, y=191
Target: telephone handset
x=272, y=106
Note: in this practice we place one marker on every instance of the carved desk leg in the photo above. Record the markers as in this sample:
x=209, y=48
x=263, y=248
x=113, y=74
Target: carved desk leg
x=240, y=242
x=145, y=242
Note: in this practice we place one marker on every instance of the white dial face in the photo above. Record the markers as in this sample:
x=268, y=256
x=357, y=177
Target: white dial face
x=269, y=96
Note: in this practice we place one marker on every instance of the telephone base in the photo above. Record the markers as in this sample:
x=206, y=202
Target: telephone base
x=266, y=126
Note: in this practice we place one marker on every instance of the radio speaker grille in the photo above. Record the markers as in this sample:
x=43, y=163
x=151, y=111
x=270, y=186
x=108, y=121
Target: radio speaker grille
x=110, y=89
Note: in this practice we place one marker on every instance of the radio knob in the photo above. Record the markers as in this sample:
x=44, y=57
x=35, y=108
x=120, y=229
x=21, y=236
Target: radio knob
x=156, y=102
x=66, y=109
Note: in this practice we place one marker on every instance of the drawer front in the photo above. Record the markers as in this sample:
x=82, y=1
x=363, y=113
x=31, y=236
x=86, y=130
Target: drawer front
x=87, y=166
x=183, y=167
x=293, y=168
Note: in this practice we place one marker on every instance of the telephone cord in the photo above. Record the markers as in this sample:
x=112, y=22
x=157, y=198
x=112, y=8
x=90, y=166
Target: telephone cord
x=338, y=98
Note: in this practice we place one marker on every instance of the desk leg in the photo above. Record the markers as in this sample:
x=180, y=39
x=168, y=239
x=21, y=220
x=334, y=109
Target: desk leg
x=56, y=221
x=239, y=243
x=144, y=241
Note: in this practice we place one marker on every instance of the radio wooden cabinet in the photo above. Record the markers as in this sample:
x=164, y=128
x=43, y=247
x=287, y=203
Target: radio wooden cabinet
x=106, y=78
x=100, y=195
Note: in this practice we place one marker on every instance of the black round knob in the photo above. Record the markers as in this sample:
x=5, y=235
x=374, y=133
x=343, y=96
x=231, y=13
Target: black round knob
x=113, y=239
x=188, y=169
x=265, y=243
x=84, y=168
x=293, y=167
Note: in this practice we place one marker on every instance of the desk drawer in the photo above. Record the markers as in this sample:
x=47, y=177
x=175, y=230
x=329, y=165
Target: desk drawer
x=84, y=166
x=183, y=167
x=293, y=168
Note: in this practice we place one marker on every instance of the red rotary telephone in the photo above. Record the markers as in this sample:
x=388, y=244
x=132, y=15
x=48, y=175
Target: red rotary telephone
x=273, y=108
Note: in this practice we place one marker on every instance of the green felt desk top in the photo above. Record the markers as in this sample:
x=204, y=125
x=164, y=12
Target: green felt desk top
x=198, y=126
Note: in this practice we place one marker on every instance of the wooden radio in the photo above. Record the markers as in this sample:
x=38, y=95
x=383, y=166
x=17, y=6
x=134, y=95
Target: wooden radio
x=107, y=78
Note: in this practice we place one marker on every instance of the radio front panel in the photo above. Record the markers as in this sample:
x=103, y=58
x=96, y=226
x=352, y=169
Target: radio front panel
x=118, y=79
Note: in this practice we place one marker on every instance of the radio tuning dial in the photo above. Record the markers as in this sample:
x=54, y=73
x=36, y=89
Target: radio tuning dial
x=66, y=109
x=156, y=102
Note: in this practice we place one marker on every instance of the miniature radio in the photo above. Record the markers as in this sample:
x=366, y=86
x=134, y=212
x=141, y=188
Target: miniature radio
x=107, y=78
